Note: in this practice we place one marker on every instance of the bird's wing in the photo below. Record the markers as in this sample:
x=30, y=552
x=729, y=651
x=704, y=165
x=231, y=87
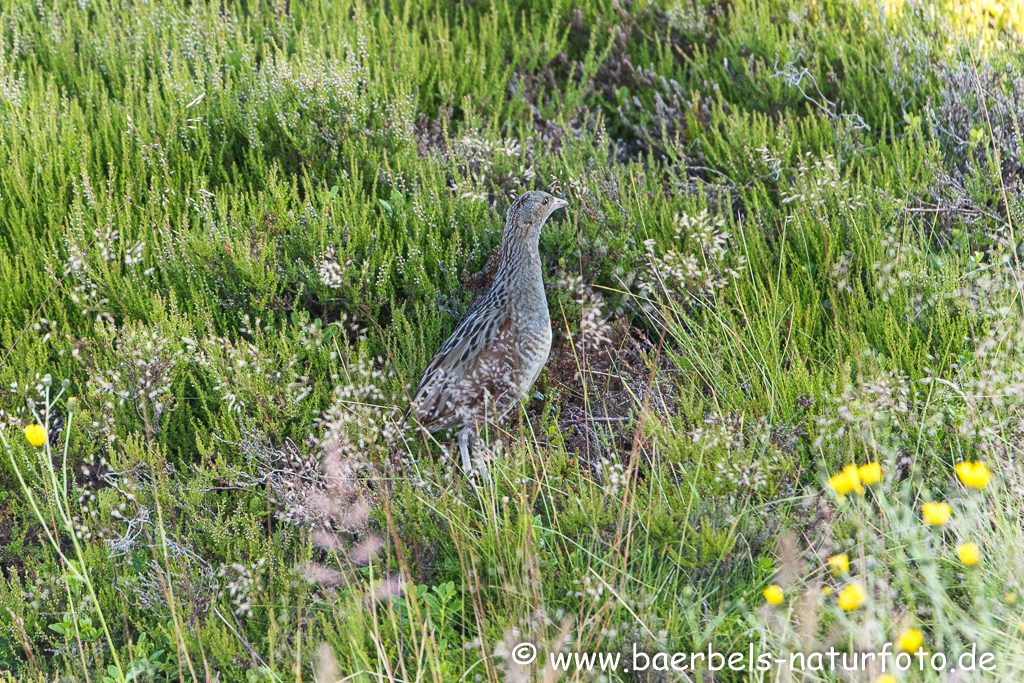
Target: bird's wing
x=472, y=345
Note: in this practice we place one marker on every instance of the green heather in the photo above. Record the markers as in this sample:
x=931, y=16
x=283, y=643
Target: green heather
x=236, y=233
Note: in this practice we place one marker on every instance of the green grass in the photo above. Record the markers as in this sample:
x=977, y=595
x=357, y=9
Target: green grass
x=238, y=233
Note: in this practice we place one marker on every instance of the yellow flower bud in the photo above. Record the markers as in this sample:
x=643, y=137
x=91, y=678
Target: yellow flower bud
x=973, y=474
x=870, y=474
x=773, y=594
x=936, y=513
x=36, y=434
x=852, y=597
x=846, y=481
x=910, y=640
x=839, y=564
x=969, y=553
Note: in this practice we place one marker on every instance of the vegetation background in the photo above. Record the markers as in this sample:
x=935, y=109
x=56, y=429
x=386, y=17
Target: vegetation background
x=235, y=233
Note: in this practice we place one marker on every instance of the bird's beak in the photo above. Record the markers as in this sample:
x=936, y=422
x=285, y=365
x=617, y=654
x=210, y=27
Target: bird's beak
x=559, y=204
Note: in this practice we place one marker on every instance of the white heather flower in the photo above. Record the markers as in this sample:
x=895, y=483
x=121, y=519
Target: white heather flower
x=331, y=272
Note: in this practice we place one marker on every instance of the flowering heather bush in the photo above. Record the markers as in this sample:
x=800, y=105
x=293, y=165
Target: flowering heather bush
x=708, y=267
x=783, y=405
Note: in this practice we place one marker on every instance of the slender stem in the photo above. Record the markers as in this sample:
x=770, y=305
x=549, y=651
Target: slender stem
x=81, y=560
x=31, y=498
x=78, y=633
x=59, y=498
x=64, y=464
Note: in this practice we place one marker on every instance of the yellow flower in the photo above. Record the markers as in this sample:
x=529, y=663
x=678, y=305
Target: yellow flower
x=846, y=481
x=827, y=590
x=870, y=474
x=973, y=474
x=936, y=513
x=910, y=640
x=773, y=594
x=969, y=553
x=1010, y=598
x=839, y=564
x=886, y=678
x=36, y=435
x=852, y=597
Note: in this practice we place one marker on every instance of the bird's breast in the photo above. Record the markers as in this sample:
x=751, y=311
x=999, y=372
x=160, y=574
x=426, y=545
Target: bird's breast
x=534, y=341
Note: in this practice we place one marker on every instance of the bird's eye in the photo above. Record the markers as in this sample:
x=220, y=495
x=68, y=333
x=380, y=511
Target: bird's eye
x=545, y=200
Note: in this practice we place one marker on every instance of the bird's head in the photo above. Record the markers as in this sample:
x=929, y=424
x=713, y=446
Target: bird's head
x=528, y=212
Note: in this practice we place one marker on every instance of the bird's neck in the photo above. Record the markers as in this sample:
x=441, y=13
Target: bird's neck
x=520, y=269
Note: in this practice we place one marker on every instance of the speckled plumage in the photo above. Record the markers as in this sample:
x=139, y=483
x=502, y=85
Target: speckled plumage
x=498, y=350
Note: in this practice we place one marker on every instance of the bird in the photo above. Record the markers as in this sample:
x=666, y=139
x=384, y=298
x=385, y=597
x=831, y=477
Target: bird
x=499, y=348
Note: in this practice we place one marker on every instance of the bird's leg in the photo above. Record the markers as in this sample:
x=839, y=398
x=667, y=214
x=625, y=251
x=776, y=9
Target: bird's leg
x=468, y=438
x=464, y=446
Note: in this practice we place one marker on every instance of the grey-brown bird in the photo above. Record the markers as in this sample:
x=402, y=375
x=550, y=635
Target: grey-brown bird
x=499, y=348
